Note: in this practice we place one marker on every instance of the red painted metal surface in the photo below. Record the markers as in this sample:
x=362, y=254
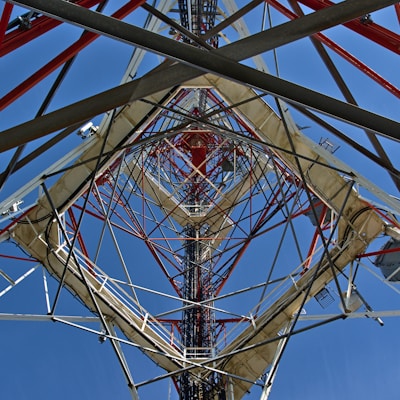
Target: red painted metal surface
x=167, y=153
x=364, y=26
x=379, y=252
x=194, y=144
x=40, y=25
x=342, y=52
x=18, y=258
x=67, y=54
x=315, y=238
x=130, y=225
x=397, y=8
x=5, y=17
x=15, y=221
x=75, y=228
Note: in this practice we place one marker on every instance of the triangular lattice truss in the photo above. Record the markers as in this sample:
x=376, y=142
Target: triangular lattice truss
x=197, y=165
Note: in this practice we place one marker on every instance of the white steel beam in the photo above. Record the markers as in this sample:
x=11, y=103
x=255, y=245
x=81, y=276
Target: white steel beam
x=46, y=318
x=112, y=306
x=358, y=314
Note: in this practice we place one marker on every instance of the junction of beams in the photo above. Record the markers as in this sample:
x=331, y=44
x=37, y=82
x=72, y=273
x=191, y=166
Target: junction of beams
x=358, y=224
x=365, y=224
x=220, y=61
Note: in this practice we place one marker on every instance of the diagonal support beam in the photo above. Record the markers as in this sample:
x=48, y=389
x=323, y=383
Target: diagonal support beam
x=221, y=61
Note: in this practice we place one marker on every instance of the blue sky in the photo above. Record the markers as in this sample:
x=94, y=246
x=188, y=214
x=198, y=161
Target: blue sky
x=347, y=359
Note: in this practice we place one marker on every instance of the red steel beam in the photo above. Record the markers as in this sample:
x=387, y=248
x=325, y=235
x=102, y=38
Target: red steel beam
x=79, y=235
x=5, y=17
x=368, y=29
x=40, y=25
x=18, y=258
x=152, y=247
x=16, y=220
x=379, y=252
x=155, y=250
x=386, y=216
x=251, y=236
x=315, y=237
x=342, y=52
x=99, y=216
x=64, y=56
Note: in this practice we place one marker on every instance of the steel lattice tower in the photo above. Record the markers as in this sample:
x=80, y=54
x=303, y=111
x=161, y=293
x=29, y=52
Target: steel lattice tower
x=185, y=219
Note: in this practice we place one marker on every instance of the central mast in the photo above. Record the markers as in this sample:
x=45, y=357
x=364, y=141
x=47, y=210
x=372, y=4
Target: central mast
x=198, y=16
x=198, y=321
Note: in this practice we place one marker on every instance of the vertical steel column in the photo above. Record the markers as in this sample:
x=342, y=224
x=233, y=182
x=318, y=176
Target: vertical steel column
x=198, y=323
